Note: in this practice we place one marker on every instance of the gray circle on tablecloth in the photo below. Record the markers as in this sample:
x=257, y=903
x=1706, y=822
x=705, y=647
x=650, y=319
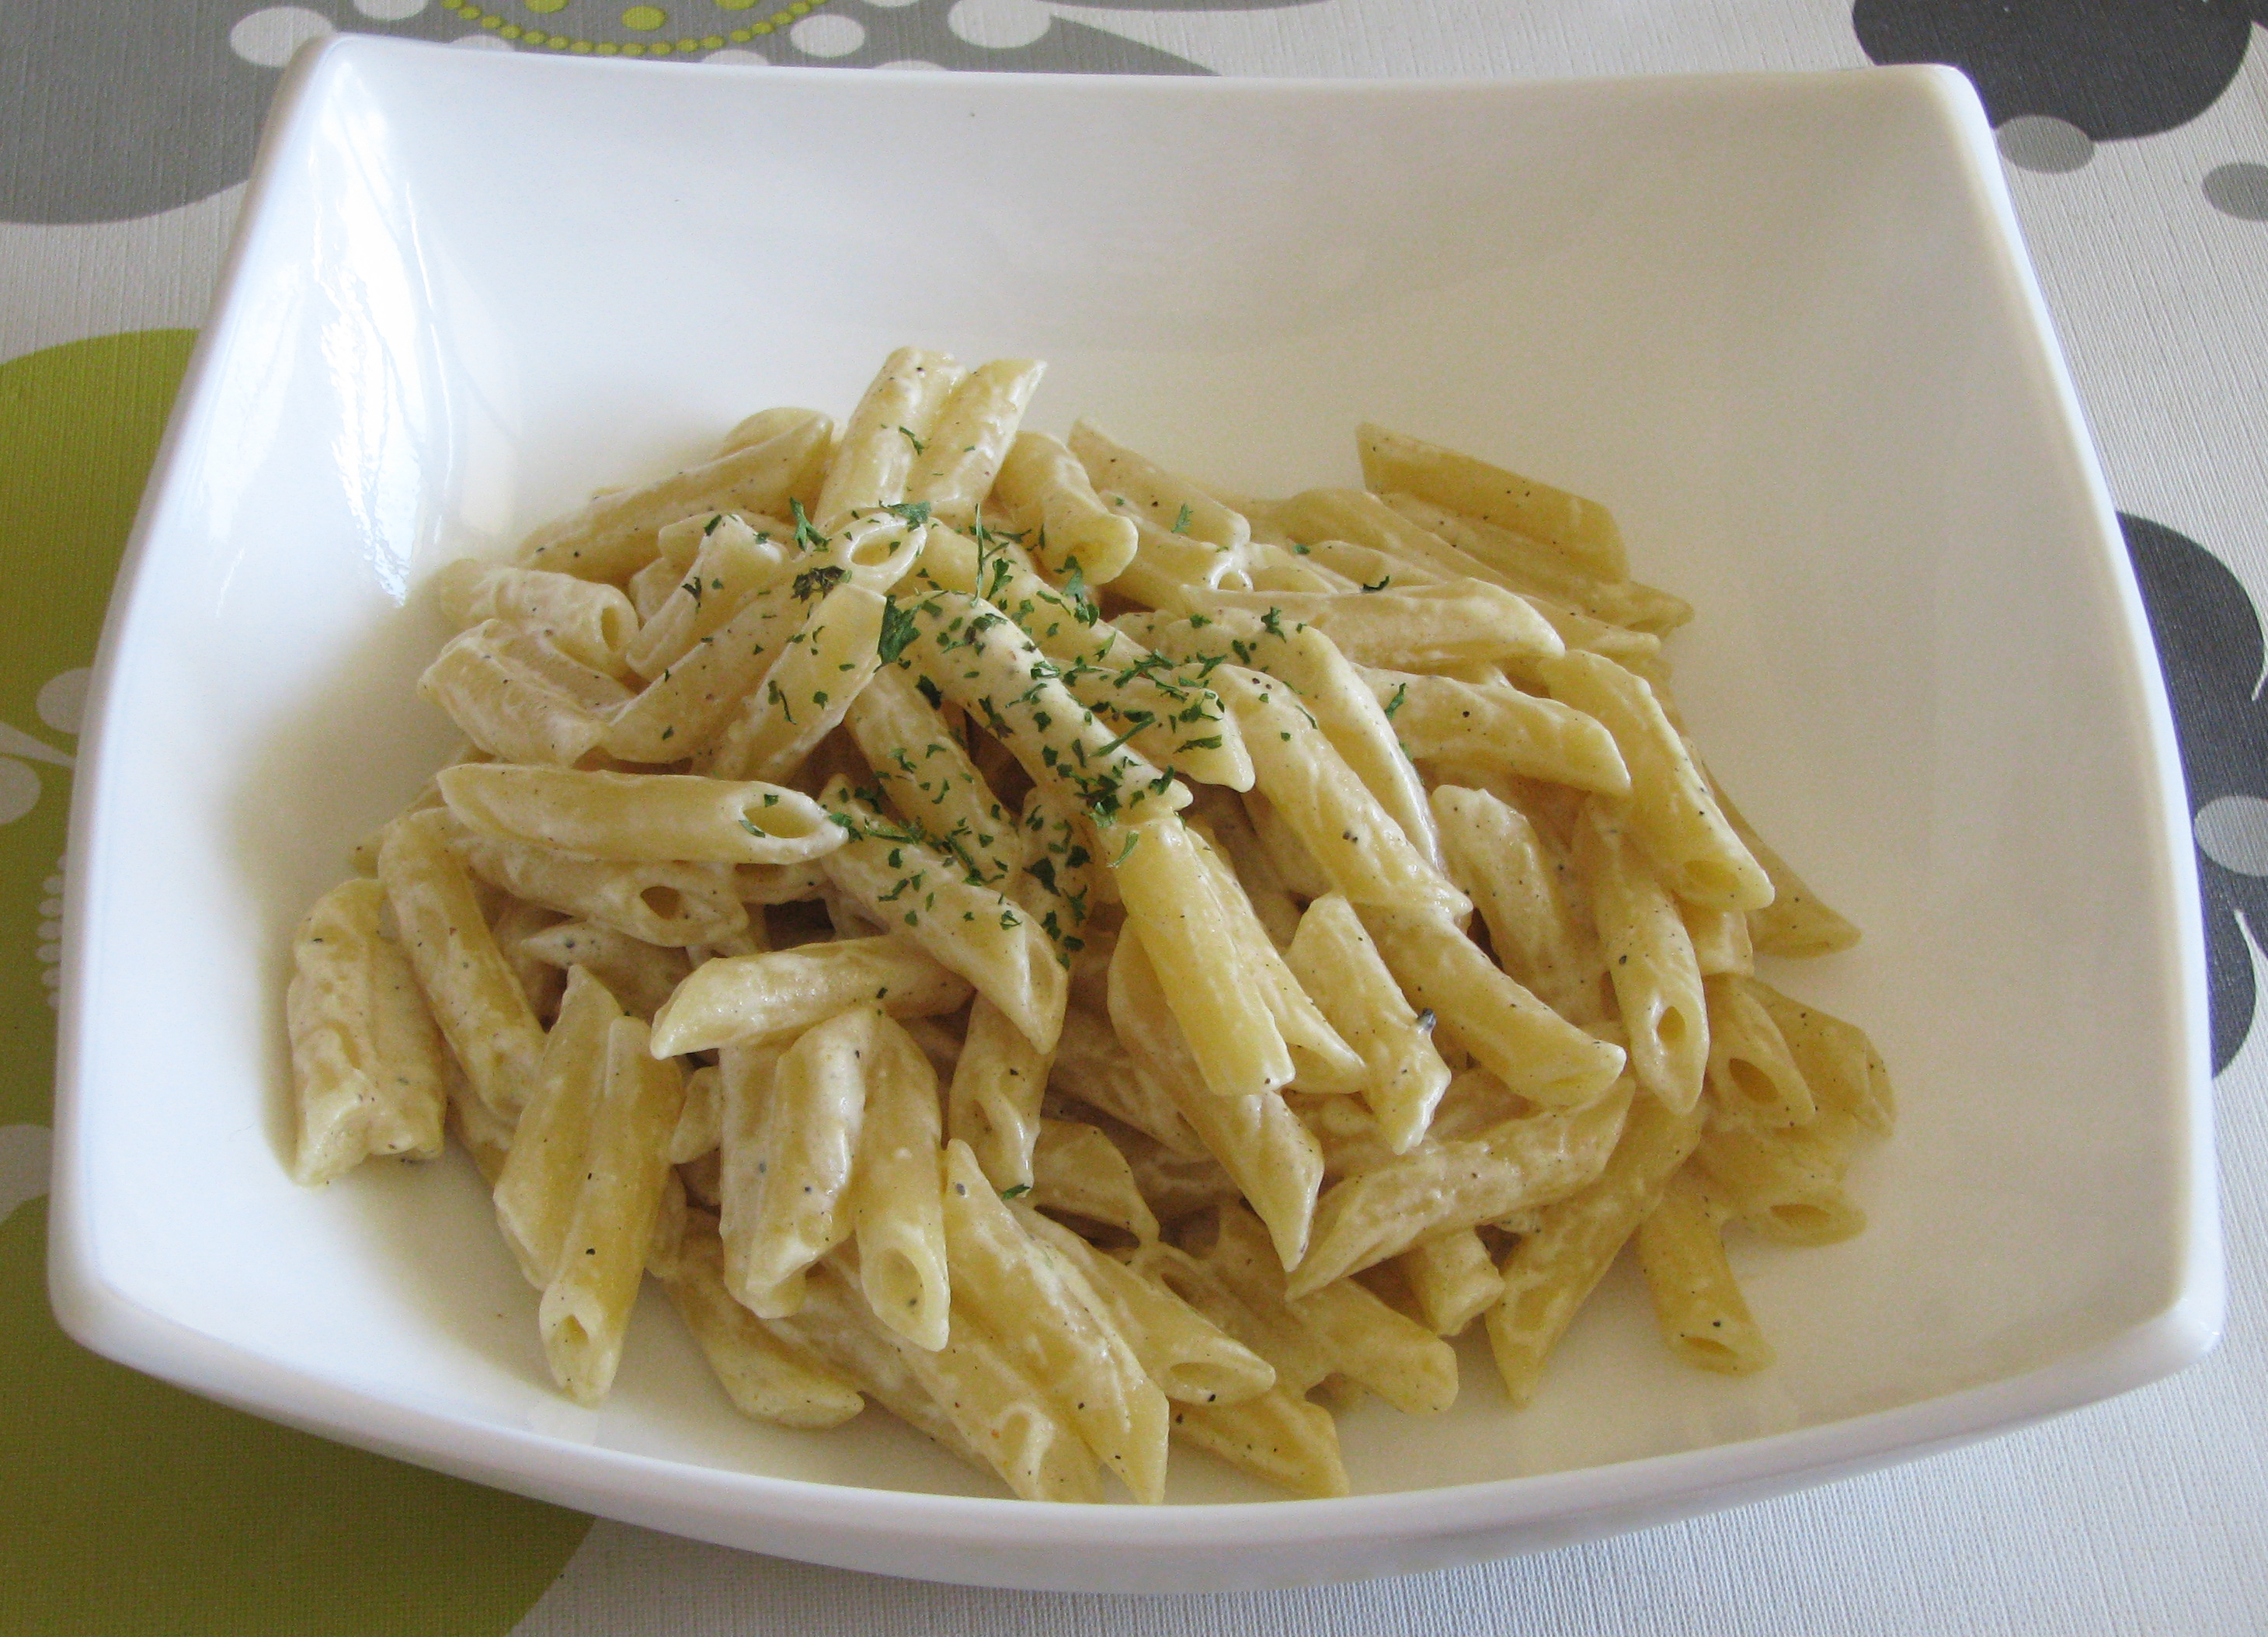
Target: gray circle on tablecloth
x=267, y=37
x=2233, y=832
x=19, y=790
x=827, y=35
x=2040, y=142
x=62, y=702
x=2239, y=190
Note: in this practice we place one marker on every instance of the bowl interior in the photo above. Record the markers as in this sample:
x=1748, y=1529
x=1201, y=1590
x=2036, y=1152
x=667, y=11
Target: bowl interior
x=1771, y=321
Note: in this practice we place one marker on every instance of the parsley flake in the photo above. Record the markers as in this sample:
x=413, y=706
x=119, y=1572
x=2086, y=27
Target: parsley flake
x=898, y=631
x=815, y=582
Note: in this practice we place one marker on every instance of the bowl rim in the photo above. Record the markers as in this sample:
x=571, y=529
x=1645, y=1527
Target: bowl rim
x=101, y=1316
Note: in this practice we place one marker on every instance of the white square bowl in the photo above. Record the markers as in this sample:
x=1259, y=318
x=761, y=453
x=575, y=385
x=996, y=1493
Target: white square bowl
x=1782, y=324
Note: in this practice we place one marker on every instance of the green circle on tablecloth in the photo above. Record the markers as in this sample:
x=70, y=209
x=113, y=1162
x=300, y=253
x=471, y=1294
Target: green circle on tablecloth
x=127, y=1505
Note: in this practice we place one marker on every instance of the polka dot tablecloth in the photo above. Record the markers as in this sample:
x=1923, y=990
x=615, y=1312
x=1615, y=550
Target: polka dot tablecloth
x=2135, y=136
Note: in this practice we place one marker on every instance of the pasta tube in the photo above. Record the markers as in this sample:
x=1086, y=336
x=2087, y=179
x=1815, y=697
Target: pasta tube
x=884, y=434
x=732, y=563
x=766, y=1377
x=639, y=817
x=537, y=1190
x=1049, y=1320
x=790, y=1132
x=519, y=698
x=982, y=661
x=1192, y=1360
x=666, y=904
x=974, y=930
x=1043, y=482
x=761, y=997
x=955, y=469
x=1552, y=1271
x=586, y=1307
x=590, y=623
x=1419, y=627
x=805, y=693
x=1649, y=957
x=1497, y=725
x=1521, y=1041
x=1704, y=1319
x=1672, y=814
x=1460, y=1183
x=1159, y=496
x=1277, y=1437
x=922, y=769
x=1453, y=1279
x=1231, y=1030
x=1275, y=1160
x=1352, y=837
x=1583, y=530
x=993, y=1104
x=482, y=1010
x=1078, y=1171
x=1538, y=925
x=895, y=1199
x=1352, y=718
x=367, y=1061
x=1339, y=965
x=612, y=537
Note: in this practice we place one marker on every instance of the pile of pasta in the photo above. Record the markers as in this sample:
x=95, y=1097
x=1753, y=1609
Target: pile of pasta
x=1079, y=958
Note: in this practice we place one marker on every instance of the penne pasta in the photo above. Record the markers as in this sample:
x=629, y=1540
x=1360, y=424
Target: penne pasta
x=537, y=1189
x=989, y=924
x=479, y=1005
x=896, y=1197
x=1582, y=530
x=1077, y=1170
x=1538, y=924
x=1649, y=958
x=638, y=817
x=1043, y=482
x=612, y=537
x=1154, y=495
x=1672, y=814
x=1231, y=1030
x=766, y=1378
x=590, y=623
x=1495, y=725
x=962, y=454
x=1697, y=1305
x=784, y=992
x=789, y=1135
x=973, y=930
x=1051, y=1322
x=993, y=1104
x=886, y=434
x=1340, y=966
x=1452, y=1278
x=1192, y=1360
x=585, y=1310
x=367, y=1063
x=1553, y=1269
x=1532, y=1049
x=1457, y=1183
x=519, y=698
x=1276, y=1162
